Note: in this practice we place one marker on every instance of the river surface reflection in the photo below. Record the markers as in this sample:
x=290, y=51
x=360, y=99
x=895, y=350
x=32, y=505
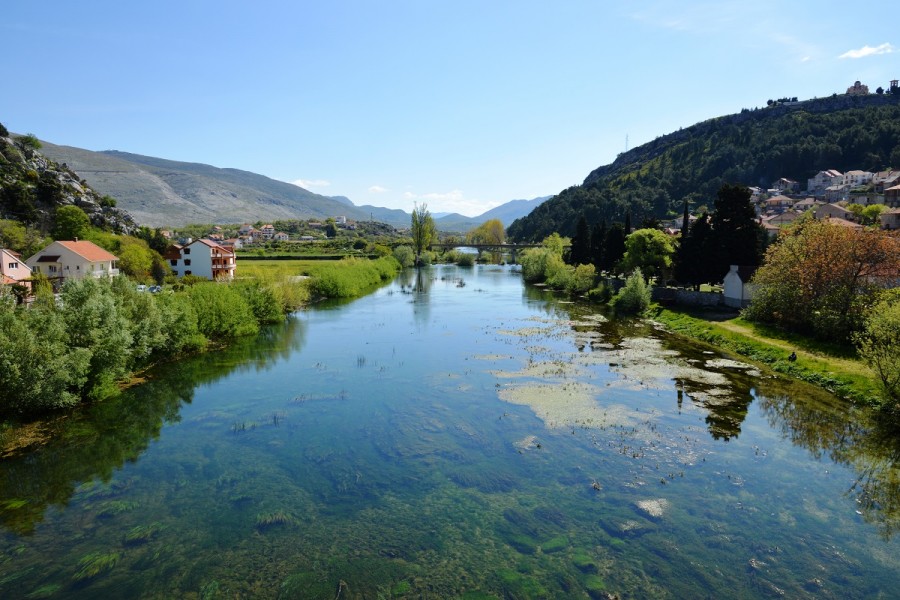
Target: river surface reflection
x=456, y=434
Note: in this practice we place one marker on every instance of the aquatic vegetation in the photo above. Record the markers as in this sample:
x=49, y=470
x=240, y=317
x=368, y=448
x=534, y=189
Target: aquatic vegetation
x=117, y=507
x=45, y=591
x=141, y=534
x=584, y=562
x=273, y=519
x=95, y=564
x=555, y=544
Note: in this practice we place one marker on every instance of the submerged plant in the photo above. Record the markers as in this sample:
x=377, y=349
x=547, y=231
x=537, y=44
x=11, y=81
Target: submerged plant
x=94, y=564
x=142, y=533
x=274, y=519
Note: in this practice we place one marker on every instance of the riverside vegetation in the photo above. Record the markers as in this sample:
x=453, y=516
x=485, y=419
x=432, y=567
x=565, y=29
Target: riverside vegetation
x=101, y=331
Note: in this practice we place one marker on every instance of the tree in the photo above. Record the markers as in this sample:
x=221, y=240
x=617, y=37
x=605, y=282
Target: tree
x=489, y=232
x=819, y=278
x=693, y=265
x=613, y=247
x=879, y=345
x=405, y=256
x=738, y=236
x=649, y=251
x=71, y=223
x=598, y=237
x=869, y=214
x=634, y=297
x=330, y=228
x=422, y=229
x=580, y=253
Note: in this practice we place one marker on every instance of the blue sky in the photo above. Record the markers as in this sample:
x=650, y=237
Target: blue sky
x=459, y=104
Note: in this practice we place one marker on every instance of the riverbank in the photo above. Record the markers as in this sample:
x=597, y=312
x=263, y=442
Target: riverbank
x=833, y=368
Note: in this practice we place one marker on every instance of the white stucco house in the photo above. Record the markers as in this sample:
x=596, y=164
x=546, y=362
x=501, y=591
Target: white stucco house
x=736, y=289
x=61, y=261
x=203, y=258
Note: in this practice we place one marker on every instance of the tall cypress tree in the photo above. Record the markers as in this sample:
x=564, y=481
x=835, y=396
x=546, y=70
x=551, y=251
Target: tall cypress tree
x=598, y=239
x=580, y=253
x=613, y=247
x=735, y=229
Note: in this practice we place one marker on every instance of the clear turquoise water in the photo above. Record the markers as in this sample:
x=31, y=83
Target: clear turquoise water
x=364, y=451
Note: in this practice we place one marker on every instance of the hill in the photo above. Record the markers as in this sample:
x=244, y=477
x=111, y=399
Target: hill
x=160, y=192
x=753, y=147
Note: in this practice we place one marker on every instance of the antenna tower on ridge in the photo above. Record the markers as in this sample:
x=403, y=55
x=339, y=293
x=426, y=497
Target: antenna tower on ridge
x=626, y=142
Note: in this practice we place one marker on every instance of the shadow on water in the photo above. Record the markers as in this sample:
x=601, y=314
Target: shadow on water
x=93, y=442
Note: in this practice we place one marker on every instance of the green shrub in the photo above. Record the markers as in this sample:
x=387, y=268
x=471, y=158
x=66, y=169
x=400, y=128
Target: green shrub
x=582, y=279
x=351, y=277
x=634, y=298
x=405, y=256
x=879, y=346
x=222, y=312
x=465, y=259
x=262, y=300
x=602, y=294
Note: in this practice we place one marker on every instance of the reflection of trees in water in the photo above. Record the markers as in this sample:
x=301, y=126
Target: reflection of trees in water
x=95, y=441
x=849, y=436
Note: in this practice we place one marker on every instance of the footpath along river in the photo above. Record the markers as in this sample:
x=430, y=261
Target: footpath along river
x=456, y=434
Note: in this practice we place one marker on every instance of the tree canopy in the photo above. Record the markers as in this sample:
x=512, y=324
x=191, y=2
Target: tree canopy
x=422, y=229
x=820, y=278
x=650, y=251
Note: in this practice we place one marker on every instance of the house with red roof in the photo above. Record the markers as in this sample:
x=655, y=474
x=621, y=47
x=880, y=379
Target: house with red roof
x=203, y=258
x=61, y=261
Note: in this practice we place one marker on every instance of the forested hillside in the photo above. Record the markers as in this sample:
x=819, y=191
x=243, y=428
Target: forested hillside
x=753, y=148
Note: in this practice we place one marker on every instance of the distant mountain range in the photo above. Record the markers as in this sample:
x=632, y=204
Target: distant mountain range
x=159, y=192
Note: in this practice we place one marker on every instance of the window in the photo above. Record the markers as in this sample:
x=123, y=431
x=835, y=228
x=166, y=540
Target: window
x=187, y=272
x=187, y=262
x=187, y=251
x=174, y=263
x=13, y=265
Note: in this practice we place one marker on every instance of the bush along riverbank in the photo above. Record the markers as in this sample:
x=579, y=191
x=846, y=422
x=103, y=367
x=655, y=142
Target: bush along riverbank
x=97, y=333
x=834, y=369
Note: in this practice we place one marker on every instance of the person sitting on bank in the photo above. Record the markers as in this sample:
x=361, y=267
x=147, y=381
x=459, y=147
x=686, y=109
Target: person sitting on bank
x=792, y=357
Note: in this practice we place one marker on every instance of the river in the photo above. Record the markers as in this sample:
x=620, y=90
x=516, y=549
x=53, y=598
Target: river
x=456, y=434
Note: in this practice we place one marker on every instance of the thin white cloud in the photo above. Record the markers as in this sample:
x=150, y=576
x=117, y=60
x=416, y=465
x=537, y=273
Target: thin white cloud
x=311, y=183
x=377, y=189
x=454, y=201
x=885, y=48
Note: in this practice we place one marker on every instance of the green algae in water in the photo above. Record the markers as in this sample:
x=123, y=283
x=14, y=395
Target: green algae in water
x=584, y=562
x=96, y=563
x=518, y=585
x=555, y=544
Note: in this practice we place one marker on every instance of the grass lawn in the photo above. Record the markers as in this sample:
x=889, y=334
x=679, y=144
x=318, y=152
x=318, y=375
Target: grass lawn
x=835, y=368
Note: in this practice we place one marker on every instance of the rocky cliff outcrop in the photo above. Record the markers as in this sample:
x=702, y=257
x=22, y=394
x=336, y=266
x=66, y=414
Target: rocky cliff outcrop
x=32, y=187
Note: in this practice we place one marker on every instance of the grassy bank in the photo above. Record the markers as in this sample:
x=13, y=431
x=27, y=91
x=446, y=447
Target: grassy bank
x=835, y=368
x=347, y=278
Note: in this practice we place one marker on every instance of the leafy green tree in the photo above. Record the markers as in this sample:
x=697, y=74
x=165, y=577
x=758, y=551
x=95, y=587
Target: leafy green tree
x=95, y=322
x=580, y=252
x=582, y=279
x=738, y=236
x=40, y=370
x=879, y=345
x=330, y=228
x=867, y=215
x=489, y=232
x=634, y=298
x=422, y=229
x=71, y=223
x=650, y=251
